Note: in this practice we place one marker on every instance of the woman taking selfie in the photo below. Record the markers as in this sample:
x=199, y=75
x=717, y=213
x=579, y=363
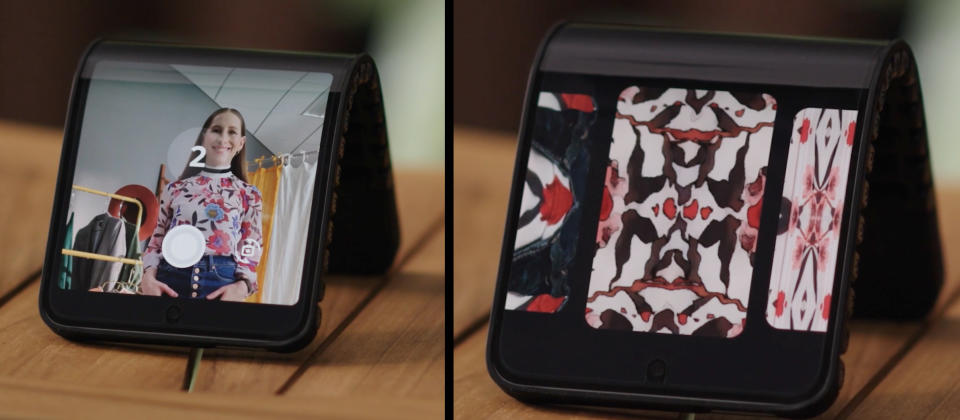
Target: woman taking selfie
x=212, y=196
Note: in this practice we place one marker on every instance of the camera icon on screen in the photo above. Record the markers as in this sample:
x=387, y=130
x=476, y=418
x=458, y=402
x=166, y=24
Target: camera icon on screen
x=247, y=248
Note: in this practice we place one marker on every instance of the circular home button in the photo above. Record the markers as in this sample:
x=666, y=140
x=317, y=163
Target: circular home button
x=656, y=371
x=173, y=313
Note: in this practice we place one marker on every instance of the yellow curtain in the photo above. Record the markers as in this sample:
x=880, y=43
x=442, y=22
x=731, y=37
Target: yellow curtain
x=266, y=180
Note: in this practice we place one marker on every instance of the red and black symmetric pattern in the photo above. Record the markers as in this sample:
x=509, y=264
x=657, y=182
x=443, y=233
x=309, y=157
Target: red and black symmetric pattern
x=549, y=220
x=680, y=211
x=805, y=257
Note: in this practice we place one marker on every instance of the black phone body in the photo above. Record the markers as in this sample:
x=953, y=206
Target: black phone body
x=133, y=101
x=685, y=214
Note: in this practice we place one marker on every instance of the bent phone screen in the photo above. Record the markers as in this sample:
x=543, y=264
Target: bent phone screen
x=666, y=220
x=194, y=182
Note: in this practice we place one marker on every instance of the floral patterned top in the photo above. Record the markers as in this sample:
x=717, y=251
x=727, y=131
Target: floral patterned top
x=228, y=212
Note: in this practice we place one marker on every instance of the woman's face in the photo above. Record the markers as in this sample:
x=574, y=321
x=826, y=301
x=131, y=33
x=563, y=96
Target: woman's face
x=223, y=139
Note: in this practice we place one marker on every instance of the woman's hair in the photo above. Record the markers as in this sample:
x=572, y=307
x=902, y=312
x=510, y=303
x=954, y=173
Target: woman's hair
x=239, y=163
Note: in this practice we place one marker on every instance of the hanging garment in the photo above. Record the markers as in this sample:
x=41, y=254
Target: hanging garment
x=148, y=204
x=66, y=270
x=103, y=235
x=288, y=238
x=129, y=281
x=266, y=180
x=130, y=274
x=104, y=274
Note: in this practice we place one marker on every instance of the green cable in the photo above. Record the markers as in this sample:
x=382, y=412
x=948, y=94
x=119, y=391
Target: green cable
x=193, y=366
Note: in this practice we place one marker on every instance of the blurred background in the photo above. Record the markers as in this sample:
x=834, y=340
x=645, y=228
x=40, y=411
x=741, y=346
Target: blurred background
x=41, y=42
x=495, y=41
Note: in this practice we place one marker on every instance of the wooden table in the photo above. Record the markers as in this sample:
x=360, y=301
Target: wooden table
x=379, y=352
x=894, y=370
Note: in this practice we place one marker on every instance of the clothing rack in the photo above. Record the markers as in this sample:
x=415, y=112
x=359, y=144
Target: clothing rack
x=110, y=258
x=283, y=158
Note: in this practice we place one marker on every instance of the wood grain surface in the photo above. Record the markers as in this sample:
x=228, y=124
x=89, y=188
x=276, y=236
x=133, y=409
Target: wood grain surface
x=249, y=371
x=926, y=382
x=29, y=349
x=887, y=362
x=42, y=374
x=30, y=398
x=395, y=346
x=28, y=168
x=482, y=169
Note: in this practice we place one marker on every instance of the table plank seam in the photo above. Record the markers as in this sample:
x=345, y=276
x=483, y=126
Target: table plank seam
x=433, y=230
x=430, y=232
x=881, y=374
x=942, y=402
x=474, y=326
x=21, y=286
x=226, y=406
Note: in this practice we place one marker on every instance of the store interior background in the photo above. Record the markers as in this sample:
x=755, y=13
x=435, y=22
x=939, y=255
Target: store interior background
x=405, y=38
x=494, y=43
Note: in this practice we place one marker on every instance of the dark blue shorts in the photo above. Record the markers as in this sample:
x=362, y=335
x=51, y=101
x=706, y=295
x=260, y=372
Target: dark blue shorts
x=197, y=281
